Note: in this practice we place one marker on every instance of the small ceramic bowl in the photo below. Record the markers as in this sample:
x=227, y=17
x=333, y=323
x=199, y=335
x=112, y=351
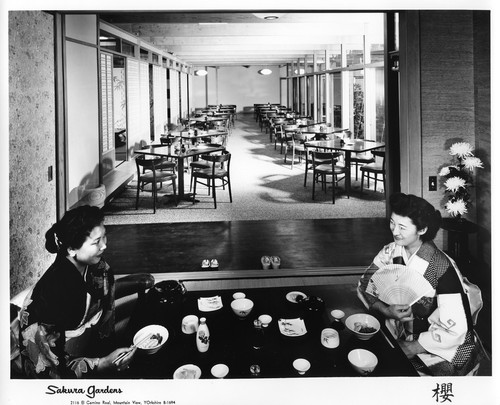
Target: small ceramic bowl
x=363, y=361
x=364, y=326
x=242, y=307
x=265, y=319
x=337, y=314
x=301, y=365
x=151, y=338
x=238, y=295
x=219, y=370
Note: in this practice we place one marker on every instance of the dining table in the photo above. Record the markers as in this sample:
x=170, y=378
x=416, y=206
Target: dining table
x=322, y=131
x=174, y=152
x=269, y=352
x=348, y=146
x=195, y=135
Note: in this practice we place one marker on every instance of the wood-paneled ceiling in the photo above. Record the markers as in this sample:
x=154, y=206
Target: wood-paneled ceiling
x=207, y=38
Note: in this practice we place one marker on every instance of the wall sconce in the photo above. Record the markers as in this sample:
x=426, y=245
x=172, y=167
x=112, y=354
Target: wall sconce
x=299, y=71
x=265, y=72
x=200, y=72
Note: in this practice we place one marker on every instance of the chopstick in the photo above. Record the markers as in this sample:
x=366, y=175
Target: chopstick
x=123, y=354
x=386, y=338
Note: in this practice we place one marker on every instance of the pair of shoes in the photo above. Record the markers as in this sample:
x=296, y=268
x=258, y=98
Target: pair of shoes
x=212, y=264
x=275, y=262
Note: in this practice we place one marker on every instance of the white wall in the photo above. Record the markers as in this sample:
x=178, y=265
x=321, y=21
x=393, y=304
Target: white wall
x=237, y=85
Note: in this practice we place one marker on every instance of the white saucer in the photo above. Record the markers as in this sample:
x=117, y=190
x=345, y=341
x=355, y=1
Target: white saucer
x=187, y=372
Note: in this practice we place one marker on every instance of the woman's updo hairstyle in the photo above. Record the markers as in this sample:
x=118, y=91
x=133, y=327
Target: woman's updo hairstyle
x=420, y=211
x=73, y=229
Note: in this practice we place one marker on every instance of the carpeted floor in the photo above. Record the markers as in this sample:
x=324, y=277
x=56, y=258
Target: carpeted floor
x=263, y=186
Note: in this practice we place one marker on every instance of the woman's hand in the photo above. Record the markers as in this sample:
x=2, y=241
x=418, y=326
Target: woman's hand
x=116, y=360
x=399, y=312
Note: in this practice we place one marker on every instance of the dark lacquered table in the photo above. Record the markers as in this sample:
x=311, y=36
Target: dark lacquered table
x=232, y=339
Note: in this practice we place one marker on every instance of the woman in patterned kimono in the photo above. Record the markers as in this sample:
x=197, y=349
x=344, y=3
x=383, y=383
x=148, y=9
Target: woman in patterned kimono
x=67, y=319
x=436, y=332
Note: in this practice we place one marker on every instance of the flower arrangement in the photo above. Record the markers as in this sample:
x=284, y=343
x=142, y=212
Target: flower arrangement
x=459, y=178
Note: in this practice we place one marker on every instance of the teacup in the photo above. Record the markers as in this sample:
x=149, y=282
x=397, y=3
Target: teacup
x=190, y=324
x=301, y=365
x=330, y=338
x=238, y=295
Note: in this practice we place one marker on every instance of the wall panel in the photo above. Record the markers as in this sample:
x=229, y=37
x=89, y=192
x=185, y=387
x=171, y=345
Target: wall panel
x=32, y=198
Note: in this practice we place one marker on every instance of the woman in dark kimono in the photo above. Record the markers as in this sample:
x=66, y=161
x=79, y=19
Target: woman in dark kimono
x=67, y=319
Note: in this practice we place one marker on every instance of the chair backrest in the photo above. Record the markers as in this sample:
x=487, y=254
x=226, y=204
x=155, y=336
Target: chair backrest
x=380, y=154
x=324, y=157
x=302, y=137
x=224, y=158
x=149, y=164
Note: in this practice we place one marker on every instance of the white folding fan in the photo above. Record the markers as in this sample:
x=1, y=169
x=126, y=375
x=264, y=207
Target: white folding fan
x=397, y=284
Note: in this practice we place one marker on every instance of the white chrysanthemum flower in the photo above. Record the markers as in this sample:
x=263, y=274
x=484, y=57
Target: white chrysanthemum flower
x=456, y=207
x=445, y=171
x=454, y=183
x=472, y=162
x=461, y=149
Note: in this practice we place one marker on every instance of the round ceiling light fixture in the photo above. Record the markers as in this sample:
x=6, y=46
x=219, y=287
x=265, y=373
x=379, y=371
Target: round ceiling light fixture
x=200, y=72
x=265, y=71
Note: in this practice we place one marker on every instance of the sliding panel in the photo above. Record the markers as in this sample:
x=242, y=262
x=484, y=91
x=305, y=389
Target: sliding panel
x=107, y=120
x=173, y=85
x=82, y=120
x=138, y=104
x=159, y=102
x=184, y=95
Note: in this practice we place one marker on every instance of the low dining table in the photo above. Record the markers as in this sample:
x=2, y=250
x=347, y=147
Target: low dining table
x=173, y=152
x=348, y=147
x=233, y=340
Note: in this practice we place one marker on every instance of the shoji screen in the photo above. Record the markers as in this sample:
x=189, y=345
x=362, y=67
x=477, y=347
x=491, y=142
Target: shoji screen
x=138, y=103
x=184, y=95
x=107, y=120
x=174, y=97
x=159, y=101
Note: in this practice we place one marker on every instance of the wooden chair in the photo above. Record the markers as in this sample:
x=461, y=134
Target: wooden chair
x=154, y=171
x=297, y=144
x=318, y=161
x=212, y=174
x=327, y=167
x=201, y=163
x=361, y=159
x=372, y=171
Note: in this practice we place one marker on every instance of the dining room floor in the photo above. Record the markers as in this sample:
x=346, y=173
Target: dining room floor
x=264, y=187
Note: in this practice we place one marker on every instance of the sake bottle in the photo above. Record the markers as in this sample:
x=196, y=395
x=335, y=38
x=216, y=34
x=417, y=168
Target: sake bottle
x=202, y=336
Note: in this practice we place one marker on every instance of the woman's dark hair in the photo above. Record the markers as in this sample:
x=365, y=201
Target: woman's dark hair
x=73, y=229
x=420, y=211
